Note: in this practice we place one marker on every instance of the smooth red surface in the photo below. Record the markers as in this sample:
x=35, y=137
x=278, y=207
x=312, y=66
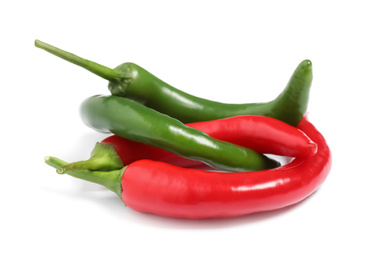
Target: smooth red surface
x=168, y=190
x=262, y=134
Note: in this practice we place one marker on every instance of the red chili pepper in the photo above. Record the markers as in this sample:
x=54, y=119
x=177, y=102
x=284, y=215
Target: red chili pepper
x=262, y=134
x=168, y=190
x=164, y=189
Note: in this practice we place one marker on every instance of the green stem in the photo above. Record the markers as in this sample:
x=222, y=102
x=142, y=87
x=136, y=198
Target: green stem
x=109, y=179
x=100, y=70
x=54, y=162
x=103, y=158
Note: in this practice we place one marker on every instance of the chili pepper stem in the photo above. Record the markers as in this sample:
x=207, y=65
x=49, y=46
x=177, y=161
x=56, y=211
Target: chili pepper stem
x=100, y=70
x=103, y=158
x=54, y=162
x=109, y=179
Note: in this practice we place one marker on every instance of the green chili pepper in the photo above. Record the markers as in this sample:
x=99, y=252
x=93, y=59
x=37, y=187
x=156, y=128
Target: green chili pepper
x=131, y=81
x=131, y=120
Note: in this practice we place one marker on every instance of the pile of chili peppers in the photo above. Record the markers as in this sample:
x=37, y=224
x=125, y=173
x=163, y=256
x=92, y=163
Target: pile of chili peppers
x=177, y=155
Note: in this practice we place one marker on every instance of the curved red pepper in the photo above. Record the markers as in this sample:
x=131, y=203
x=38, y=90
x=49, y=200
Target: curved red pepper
x=164, y=189
x=259, y=133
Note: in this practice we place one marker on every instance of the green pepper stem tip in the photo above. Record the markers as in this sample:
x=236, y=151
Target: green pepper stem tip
x=60, y=171
x=100, y=70
x=54, y=162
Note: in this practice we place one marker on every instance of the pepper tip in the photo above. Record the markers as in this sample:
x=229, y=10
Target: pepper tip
x=306, y=63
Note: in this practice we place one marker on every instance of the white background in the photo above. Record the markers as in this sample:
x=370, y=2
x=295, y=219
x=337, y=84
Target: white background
x=228, y=51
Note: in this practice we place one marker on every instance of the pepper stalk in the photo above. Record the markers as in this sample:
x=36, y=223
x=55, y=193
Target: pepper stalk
x=104, y=167
x=98, y=69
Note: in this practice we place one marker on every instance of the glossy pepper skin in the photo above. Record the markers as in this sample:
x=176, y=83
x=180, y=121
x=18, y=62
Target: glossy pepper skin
x=167, y=190
x=172, y=191
x=262, y=134
x=129, y=119
x=131, y=81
